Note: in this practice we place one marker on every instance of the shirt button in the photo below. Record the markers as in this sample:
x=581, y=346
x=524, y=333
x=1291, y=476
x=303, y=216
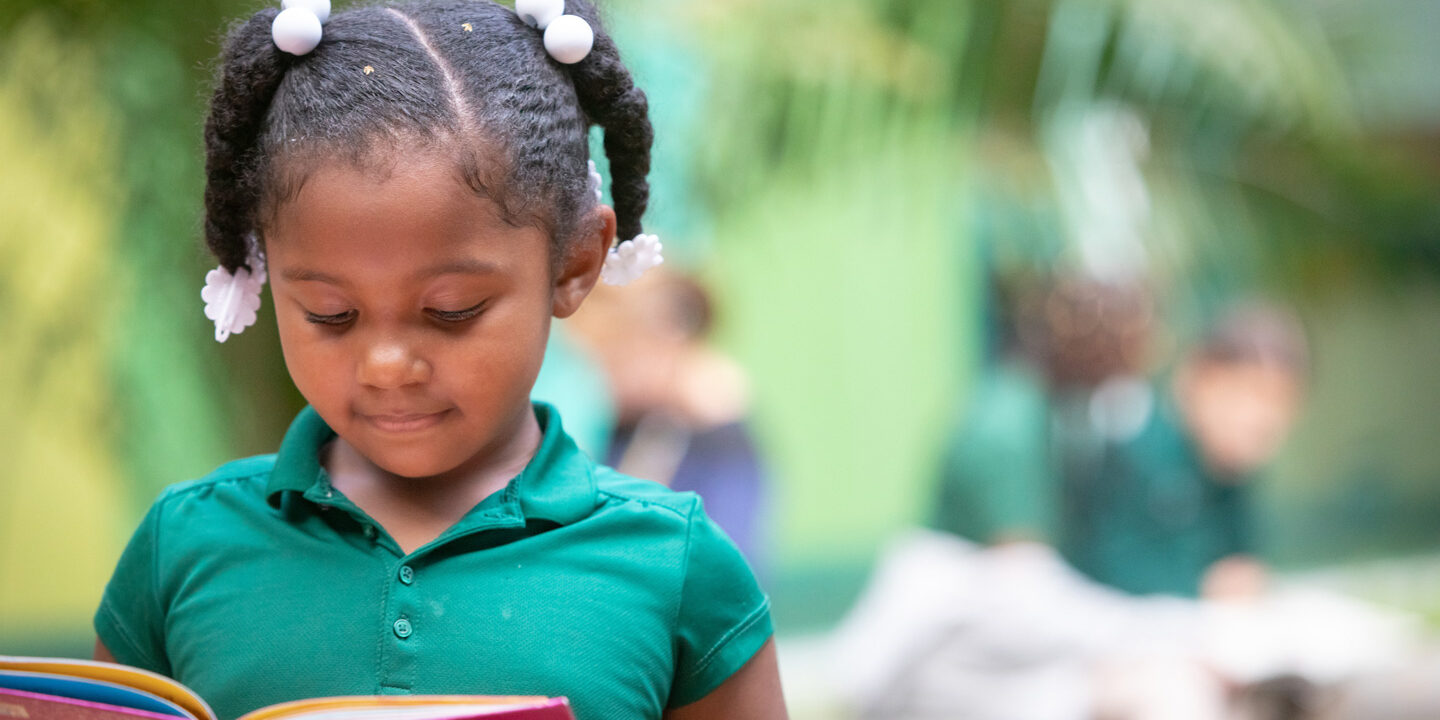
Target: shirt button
x=403, y=629
x=407, y=574
x=370, y=532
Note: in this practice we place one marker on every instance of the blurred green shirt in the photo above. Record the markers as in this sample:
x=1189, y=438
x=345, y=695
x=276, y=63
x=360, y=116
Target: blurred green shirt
x=998, y=479
x=1146, y=516
x=1142, y=515
x=261, y=583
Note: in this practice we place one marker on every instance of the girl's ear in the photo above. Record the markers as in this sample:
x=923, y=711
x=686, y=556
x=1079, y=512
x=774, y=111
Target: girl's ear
x=580, y=266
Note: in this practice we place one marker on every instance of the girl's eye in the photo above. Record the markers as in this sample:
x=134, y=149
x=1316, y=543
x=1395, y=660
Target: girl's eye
x=456, y=316
x=336, y=319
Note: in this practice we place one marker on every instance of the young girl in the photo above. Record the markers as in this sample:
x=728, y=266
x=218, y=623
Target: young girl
x=413, y=180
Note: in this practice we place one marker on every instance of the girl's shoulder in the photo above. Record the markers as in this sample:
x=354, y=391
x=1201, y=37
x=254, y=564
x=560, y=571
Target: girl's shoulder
x=616, y=487
x=238, y=482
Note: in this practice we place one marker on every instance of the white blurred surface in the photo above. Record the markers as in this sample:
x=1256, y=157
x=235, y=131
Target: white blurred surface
x=947, y=629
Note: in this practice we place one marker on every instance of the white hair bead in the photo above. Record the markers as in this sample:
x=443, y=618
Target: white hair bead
x=296, y=30
x=626, y=262
x=569, y=39
x=539, y=13
x=321, y=8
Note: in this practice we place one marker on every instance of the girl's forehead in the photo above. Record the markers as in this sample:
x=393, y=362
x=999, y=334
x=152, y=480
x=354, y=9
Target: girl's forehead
x=421, y=175
x=470, y=174
x=411, y=207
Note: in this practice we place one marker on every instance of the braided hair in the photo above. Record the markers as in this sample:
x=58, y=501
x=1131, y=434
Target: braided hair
x=467, y=77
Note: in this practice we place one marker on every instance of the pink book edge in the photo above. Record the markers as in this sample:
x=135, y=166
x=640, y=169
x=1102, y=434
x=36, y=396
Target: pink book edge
x=556, y=708
x=85, y=703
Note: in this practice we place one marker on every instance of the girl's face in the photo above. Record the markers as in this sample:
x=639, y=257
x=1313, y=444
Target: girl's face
x=412, y=316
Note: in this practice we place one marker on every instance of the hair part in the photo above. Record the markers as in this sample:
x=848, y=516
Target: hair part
x=467, y=78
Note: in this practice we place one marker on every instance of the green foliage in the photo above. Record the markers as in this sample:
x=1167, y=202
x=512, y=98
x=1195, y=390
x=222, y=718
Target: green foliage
x=834, y=155
x=162, y=371
x=107, y=383
x=843, y=302
x=60, y=293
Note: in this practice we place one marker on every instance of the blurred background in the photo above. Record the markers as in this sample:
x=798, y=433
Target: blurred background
x=864, y=197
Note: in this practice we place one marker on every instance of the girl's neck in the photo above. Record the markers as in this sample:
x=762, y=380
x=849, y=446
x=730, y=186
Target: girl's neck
x=415, y=511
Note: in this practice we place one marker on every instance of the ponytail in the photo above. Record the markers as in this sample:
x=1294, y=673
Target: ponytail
x=609, y=98
x=251, y=69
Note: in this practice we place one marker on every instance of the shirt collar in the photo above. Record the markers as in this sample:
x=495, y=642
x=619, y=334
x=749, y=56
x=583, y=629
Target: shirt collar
x=558, y=484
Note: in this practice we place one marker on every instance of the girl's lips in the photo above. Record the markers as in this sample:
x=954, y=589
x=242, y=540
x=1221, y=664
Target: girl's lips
x=405, y=422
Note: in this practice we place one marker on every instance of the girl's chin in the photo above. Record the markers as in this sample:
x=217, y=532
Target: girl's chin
x=419, y=469
x=415, y=461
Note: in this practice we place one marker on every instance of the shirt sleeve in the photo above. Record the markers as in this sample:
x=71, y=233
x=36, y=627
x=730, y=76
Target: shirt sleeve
x=724, y=617
x=131, y=619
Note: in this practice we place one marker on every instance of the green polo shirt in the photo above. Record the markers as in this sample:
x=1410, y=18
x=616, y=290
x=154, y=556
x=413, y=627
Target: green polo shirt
x=261, y=583
x=1146, y=516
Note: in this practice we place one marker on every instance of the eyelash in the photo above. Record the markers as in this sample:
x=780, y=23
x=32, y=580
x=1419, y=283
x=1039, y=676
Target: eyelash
x=449, y=316
x=458, y=316
x=336, y=319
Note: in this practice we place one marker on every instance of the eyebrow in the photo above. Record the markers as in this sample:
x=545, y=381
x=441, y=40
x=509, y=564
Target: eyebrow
x=451, y=267
x=465, y=266
x=303, y=275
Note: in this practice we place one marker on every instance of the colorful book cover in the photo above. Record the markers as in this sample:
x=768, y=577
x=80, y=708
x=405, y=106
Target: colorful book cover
x=66, y=689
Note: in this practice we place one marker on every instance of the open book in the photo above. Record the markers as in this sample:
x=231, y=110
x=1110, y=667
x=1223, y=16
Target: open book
x=63, y=688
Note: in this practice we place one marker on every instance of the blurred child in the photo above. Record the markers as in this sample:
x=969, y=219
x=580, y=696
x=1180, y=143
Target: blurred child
x=1056, y=342
x=1169, y=510
x=682, y=405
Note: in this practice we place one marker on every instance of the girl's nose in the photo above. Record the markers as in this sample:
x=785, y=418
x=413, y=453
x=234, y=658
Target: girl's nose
x=389, y=365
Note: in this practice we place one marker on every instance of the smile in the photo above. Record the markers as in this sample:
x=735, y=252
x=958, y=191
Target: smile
x=404, y=422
